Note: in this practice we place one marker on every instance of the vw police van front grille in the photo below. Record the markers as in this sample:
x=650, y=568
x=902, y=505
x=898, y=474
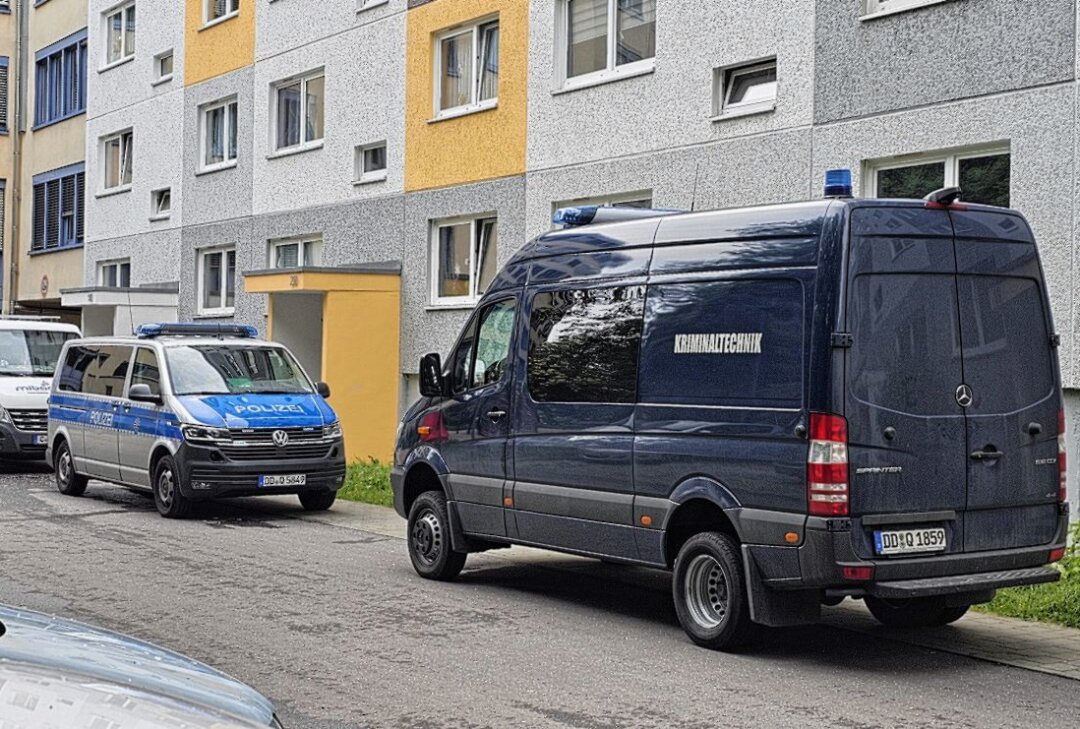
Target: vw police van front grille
x=31, y=421
x=259, y=445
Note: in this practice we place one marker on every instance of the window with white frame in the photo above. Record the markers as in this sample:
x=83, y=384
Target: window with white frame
x=119, y=33
x=637, y=199
x=216, y=285
x=215, y=11
x=117, y=150
x=982, y=173
x=464, y=259
x=115, y=274
x=371, y=162
x=161, y=203
x=298, y=117
x=296, y=252
x=467, y=63
x=219, y=147
x=163, y=66
x=606, y=37
x=875, y=7
x=745, y=89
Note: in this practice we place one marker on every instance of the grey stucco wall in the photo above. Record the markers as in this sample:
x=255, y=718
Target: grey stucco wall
x=155, y=256
x=951, y=50
x=281, y=26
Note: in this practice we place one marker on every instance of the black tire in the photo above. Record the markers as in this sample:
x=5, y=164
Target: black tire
x=921, y=612
x=709, y=589
x=168, y=499
x=68, y=482
x=429, y=539
x=317, y=500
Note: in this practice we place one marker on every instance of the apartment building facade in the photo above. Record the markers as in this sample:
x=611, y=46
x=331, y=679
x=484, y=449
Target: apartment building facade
x=350, y=179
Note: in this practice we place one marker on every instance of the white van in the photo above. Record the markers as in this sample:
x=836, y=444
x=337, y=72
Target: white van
x=29, y=350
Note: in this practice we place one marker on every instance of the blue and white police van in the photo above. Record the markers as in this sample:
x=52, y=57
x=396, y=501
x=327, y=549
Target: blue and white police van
x=786, y=405
x=192, y=412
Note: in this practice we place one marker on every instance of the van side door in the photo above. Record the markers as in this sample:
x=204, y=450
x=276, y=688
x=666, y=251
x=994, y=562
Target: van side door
x=68, y=405
x=137, y=422
x=105, y=383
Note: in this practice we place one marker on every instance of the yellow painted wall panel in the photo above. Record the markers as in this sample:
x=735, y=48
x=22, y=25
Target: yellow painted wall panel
x=214, y=50
x=479, y=146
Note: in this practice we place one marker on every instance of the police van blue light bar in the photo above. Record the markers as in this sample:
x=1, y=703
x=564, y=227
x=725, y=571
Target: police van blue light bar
x=193, y=329
x=838, y=183
x=594, y=214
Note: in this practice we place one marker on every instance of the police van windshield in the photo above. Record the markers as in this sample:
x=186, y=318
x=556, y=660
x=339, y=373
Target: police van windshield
x=216, y=369
x=30, y=353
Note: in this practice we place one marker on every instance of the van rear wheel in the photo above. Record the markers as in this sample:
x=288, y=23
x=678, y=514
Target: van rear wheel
x=709, y=590
x=68, y=482
x=923, y=612
x=430, y=551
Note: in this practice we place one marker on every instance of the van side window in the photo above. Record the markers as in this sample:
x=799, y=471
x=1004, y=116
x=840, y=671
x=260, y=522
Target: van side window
x=145, y=371
x=107, y=372
x=493, y=343
x=583, y=345
x=461, y=360
x=73, y=370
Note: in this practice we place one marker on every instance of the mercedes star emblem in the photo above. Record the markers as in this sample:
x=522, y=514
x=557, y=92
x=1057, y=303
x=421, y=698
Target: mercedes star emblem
x=281, y=438
x=963, y=396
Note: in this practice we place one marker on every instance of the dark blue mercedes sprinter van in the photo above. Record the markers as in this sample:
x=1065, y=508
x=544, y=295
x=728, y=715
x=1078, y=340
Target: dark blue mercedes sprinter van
x=785, y=405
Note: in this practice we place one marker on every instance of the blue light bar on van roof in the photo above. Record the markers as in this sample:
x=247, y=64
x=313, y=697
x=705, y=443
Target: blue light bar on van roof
x=589, y=214
x=838, y=183
x=193, y=329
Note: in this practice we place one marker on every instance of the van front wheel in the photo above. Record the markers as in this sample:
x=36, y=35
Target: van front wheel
x=68, y=482
x=167, y=497
x=922, y=612
x=429, y=539
x=709, y=589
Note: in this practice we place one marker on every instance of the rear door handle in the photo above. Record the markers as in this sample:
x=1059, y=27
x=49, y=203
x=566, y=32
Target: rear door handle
x=986, y=455
x=496, y=415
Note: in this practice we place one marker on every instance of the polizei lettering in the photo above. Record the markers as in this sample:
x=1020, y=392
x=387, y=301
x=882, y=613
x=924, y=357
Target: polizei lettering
x=719, y=343
x=269, y=409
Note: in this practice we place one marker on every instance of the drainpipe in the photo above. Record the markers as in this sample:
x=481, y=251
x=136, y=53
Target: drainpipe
x=12, y=249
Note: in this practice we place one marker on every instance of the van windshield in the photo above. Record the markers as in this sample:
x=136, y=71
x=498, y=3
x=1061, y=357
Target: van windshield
x=216, y=369
x=30, y=353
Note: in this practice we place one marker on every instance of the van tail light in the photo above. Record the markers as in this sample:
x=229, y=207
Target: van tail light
x=827, y=466
x=1062, y=494
x=432, y=428
x=1056, y=555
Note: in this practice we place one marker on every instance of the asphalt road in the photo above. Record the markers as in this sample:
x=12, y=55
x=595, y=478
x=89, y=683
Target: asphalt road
x=332, y=624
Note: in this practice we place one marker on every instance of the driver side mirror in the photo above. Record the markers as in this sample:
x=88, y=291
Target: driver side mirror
x=431, y=378
x=323, y=389
x=142, y=393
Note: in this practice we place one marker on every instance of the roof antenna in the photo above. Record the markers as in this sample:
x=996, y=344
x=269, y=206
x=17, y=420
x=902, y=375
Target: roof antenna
x=697, y=171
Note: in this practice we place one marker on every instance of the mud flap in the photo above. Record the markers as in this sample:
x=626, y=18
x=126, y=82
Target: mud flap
x=778, y=608
x=461, y=543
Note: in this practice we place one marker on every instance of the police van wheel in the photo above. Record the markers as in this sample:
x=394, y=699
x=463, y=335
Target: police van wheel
x=710, y=592
x=68, y=482
x=914, y=613
x=429, y=539
x=167, y=497
x=317, y=500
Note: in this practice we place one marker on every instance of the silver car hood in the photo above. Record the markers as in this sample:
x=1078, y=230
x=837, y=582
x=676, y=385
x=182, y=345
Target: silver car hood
x=70, y=648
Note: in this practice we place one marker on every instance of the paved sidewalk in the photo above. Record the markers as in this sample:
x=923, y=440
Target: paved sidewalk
x=1008, y=641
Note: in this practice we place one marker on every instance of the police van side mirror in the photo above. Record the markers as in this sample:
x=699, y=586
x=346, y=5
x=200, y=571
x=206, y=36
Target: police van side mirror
x=323, y=389
x=142, y=393
x=431, y=379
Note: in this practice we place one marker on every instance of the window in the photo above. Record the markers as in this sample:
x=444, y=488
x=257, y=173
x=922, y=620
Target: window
x=299, y=115
x=120, y=34
x=481, y=361
x=115, y=274
x=60, y=80
x=583, y=345
x=217, y=281
x=3, y=94
x=607, y=37
x=983, y=175
x=58, y=206
x=639, y=199
x=371, y=162
x=163, y=67
x=219, y=121
x=467, y=60
x=105, y=371
x=161, y=203
x=295, y=252
x=145, y=371
x=747, y=89
x=118, y=150
x=214, y=11
x=876, y=7
x=464, y=259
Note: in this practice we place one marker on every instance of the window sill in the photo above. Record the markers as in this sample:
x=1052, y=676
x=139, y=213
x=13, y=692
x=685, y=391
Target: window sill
x=630, y=70
x=159, y=218
x=300, y=149
x=460, y=111
x=211, y=169
x=215, y=314
x=452, y=305
x=115, y=64
x=218, y=21
x=162, y=80
x=57, y=120
x=895, y=11
x=748, y=110
x=112, y=191
x=58, y=249
x=369, y=179
x=371, y=4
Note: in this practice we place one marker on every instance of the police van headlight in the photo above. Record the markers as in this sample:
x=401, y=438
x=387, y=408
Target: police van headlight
x=202, y=434
x=332, y=431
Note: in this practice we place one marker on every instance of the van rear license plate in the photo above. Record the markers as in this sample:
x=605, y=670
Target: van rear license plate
x=910, y=541
x=293, y=479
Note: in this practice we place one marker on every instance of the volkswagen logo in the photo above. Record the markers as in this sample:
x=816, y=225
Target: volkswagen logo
x=281, y=438
x=963, y=396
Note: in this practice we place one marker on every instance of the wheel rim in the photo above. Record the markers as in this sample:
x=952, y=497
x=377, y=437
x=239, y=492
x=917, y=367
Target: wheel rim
x=707, y=591
x=165, y=487
x=63, y=467
x=427, y=537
